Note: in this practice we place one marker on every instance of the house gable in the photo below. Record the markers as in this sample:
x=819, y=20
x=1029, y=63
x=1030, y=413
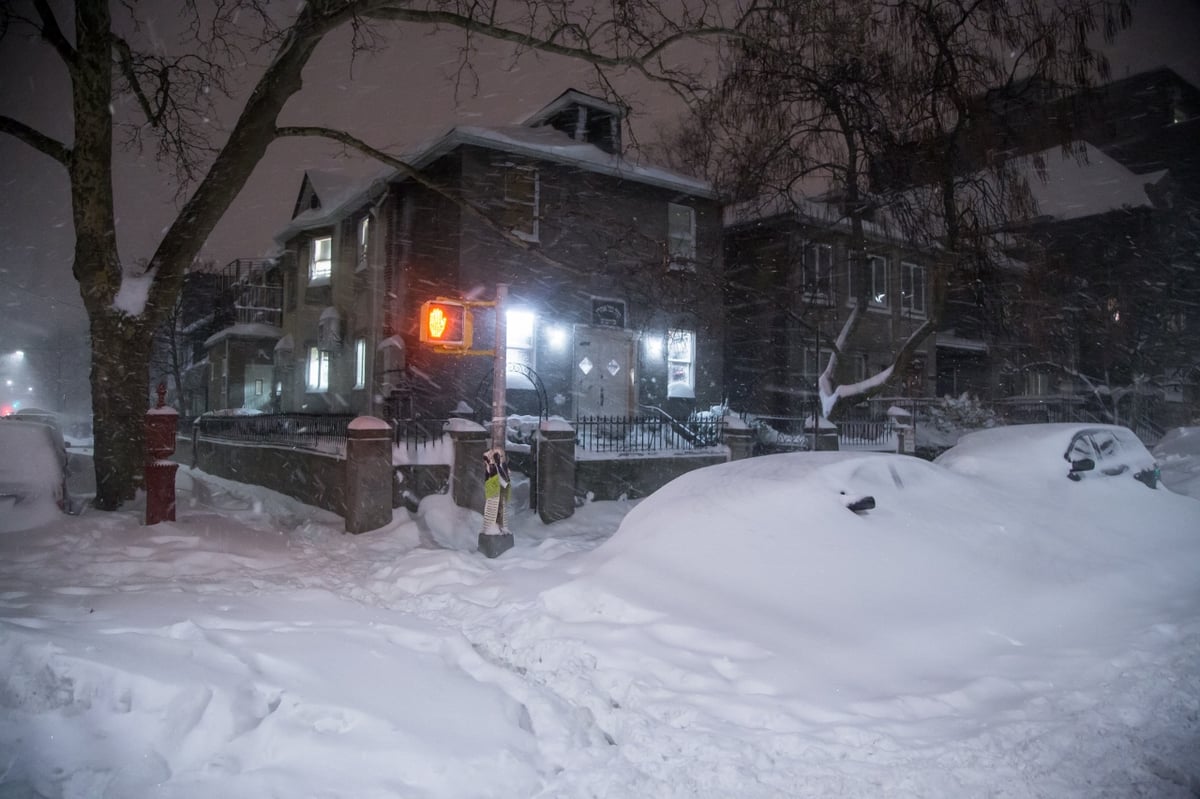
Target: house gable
x=584, y=118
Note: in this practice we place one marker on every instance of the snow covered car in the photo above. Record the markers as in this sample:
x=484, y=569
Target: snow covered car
x=33, y=474
x=1067, y=450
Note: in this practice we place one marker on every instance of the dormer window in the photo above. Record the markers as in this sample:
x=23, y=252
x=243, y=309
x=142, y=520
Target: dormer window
x=585, y=119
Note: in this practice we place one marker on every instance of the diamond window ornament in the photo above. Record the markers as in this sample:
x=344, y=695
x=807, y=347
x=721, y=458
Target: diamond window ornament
x=585, y=365
x=613, y=367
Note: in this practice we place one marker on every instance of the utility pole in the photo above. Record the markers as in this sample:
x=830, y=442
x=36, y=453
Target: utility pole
x=499, y=372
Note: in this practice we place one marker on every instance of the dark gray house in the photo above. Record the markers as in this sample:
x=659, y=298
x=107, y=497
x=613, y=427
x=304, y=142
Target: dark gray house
x=613, y=271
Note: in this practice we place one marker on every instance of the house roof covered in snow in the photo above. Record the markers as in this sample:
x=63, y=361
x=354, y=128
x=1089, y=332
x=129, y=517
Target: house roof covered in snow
x=1085, y=182
x=542, y=142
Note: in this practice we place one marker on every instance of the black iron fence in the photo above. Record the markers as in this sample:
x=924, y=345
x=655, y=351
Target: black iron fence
x=646, y=433
x=414, y=433
x=308, y=430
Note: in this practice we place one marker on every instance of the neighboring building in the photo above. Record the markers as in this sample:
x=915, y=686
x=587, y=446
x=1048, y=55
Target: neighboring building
x=1111, y=298
x=215, y=349
x=241, y=353
x=1100, y=296
x=790, y=292
x=613, y=304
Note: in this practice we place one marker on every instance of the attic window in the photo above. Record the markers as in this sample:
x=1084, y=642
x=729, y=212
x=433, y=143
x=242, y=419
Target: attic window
x=314, y=202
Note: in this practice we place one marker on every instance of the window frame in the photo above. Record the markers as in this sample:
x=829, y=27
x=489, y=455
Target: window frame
x=363, y=239
x=321, y=360
x=688, y=363
x=360, y=363
x=908, y=292
x=873, y=275
x=821, y=287
x=681, y=246
x=320, y=277
x=512, y=201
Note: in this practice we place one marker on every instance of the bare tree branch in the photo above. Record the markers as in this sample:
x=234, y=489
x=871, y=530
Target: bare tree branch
x=36, y=139
x=52, y=33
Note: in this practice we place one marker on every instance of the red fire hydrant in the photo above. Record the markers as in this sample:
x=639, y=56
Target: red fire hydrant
x=160, y=472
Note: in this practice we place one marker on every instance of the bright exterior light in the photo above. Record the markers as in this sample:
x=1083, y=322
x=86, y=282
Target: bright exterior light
x=557, y=337
x=653, y=346
x=19, y=355
x=31, y=388
x=518, y=328
x=8, y=383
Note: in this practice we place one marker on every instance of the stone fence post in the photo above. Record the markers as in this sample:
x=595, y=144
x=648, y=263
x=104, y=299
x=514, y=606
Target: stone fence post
x=368, y=474
x=555, y=471
x=738, y=436
x=470, y=441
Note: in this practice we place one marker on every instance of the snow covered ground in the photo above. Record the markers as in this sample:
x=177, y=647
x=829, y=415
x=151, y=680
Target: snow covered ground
x=741, y=635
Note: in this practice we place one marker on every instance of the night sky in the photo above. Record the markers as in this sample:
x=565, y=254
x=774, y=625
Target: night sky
x=396, y=99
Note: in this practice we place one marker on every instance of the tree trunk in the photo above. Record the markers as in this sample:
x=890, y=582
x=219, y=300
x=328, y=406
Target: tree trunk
x=120, y=398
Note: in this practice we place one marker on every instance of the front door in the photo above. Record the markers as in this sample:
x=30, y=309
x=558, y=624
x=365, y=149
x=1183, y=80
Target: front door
x=604, y=362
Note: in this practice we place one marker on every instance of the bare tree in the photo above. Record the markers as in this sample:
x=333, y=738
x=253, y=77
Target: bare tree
x=829, y=92
x=104, y=61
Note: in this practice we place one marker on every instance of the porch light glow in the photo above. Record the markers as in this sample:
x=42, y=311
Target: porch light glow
x=653, y=347
x=519, y=328
x=557, y=337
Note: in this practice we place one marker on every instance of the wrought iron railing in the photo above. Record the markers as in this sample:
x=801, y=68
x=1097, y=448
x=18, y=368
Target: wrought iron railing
x=307, y=430
x=647, y=433
x=311, y=430
x=414, y=433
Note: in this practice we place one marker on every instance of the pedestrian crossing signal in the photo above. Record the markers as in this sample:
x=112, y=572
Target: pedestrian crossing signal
x=445, y=323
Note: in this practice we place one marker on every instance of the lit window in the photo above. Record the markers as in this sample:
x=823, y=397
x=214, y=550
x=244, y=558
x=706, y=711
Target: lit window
x=360, y=363
x=521, y=200
x=258, y=388
x=818, y=271
x=322, y=260
x=681, y=363
x=912, y=288
x=681, y=235
x=364, y=238
x=318, y=369
x=518, y=330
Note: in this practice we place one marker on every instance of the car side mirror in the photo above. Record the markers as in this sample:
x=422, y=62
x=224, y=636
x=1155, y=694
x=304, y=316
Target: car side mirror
x=862, y=504
x=1083, y=465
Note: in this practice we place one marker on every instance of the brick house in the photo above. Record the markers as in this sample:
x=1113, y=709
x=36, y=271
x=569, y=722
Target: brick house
x=612, y=304
x=789, y=293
